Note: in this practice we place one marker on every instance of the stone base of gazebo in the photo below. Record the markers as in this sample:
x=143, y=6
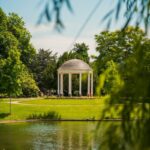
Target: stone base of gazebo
x=76, y=97
x=71, y=96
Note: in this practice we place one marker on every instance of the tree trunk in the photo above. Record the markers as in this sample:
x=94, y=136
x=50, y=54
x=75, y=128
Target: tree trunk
x=9, y=104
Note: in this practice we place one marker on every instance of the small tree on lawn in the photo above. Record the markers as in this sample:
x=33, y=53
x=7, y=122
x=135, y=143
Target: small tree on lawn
x=10, y=75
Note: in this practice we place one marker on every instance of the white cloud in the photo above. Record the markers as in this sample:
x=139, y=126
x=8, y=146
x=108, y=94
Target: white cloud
x=59, y=43
x=55, y=43
x=38, y=29
x=43, y=38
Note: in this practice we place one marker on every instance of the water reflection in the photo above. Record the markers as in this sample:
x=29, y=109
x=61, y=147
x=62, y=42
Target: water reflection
x=48, y=136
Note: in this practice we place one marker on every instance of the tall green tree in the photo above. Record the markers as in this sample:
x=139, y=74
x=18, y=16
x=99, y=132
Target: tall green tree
x=133, y=96
x=116, y=46
x=44, y=68
x=28, y=84
x=80, y=51
x=109, y=81
x=10, y=74
x=14, y=40
x=3, y=21
x=16, y=26
x=10, y=64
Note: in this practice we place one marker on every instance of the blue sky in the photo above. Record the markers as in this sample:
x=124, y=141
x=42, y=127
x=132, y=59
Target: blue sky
x=44, y=36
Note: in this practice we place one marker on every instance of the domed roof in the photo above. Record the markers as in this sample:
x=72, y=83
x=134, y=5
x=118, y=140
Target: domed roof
x=75, y=64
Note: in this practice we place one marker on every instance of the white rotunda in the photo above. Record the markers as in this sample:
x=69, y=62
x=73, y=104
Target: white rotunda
x=75, y=66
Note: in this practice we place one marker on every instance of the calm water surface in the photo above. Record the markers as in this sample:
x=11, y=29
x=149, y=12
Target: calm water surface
x=48, y=136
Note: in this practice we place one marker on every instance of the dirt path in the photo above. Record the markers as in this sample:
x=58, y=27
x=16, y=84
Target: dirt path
x=20, y=103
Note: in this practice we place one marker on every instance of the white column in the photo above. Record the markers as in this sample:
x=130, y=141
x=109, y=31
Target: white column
x=70, y=84
x=88, y=88
x=92, y=84
x=80, y=84
x=58, y=82
x=61, y=81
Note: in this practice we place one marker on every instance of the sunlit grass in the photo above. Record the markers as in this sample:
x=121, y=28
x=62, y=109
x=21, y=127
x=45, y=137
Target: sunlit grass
x=65, y=108
x=73, y=109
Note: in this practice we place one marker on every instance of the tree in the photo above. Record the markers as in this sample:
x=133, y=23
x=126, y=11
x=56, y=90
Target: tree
x=137, y=81
x=12, y=65
x=44, y=68
x=109, y=81
x=64, y=57
x=10, y=74
x=7, y=42
x=134, y=98
x=28, y=84
x=3, y=21
x=116, y=46
x=79, y=51
x=16, y=26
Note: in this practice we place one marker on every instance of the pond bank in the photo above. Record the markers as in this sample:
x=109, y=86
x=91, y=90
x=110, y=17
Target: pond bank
x=56, y=120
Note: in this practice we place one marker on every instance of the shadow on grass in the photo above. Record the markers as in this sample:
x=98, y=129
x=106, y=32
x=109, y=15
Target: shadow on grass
x=51, y=115
x=3, y=115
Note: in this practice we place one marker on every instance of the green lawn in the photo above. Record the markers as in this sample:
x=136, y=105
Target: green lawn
x=62, y=108
x=23, y=109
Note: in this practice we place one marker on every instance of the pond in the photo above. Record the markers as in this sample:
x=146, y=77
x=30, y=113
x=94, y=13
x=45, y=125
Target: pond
x=48, y=136
x=67, y=135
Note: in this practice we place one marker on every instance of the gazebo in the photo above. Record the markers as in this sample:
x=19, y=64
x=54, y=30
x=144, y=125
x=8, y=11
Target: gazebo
x=75, y=66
